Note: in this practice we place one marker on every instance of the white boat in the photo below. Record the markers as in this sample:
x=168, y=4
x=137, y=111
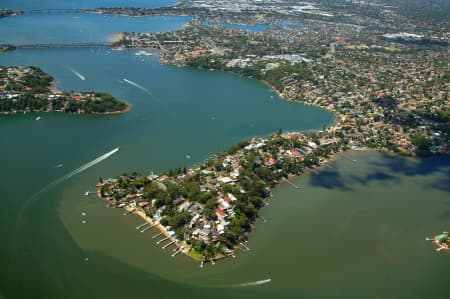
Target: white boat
x=143, y=53
x=38, y=118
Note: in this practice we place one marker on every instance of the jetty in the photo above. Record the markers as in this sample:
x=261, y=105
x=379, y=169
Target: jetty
x=147, y=228
x=168, y=244
x=87, y=193
x=242, y=249
x=353, y=160
x=142, y=225
x=157, y=235
x=176, y=252
x=245, y=246
x=162, y=240
x=290, y=183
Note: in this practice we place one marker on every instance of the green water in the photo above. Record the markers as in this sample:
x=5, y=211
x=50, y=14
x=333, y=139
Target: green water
x=356, y=230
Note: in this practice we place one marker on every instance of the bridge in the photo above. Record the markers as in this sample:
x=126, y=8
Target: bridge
x=55, y=11
x=65, y=45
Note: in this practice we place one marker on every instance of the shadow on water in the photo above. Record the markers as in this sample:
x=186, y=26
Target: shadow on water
x=373, y=176
x=329, y=179
x=332, y=179
x=413, y=167
x=420, y=167
x=388, y=169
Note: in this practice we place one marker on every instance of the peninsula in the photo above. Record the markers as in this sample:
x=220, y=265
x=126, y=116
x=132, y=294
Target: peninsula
x=388, y=88
x=29, y=89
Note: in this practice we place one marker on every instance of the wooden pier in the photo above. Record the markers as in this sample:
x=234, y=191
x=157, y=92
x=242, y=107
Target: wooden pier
x=353, y=160
x=162, y=240
x=147, y=228
x=168, y=244
x=142, y=225
x=290, y=183
x=157, y=235
x=176, y=252
x=245, y=246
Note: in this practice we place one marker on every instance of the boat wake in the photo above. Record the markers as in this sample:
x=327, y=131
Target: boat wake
x=77, y=74
x=138, y=86
x=62, y=179
x=255, y=283
x=86, y=166
x=37, y=195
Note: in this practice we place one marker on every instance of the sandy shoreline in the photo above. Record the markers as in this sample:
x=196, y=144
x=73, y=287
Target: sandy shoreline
x=181, y=245
x=116, y=37
x=53, y=88
x=141, y=214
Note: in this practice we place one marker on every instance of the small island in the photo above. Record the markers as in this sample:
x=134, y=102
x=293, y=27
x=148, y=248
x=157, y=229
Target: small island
x=29, y=89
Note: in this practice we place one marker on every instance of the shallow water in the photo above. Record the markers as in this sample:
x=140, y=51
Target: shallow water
x=355, y=230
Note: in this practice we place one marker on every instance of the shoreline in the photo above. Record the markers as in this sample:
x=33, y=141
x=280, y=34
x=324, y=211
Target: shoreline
x=333, y=158
x=53, y=87
x=141, y=214
x=126, y=110
x=54, y=90
x=181, y=246
x=185, y=249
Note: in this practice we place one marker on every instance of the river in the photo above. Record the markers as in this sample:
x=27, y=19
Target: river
x=355, y=230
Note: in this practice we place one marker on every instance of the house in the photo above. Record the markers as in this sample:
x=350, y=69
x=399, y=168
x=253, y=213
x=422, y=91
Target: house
x=270, y=162
x=225, y=180
x=221, y=214
x=224, y=205
x=230, y=198
x=312, y=144
x=294, y=153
